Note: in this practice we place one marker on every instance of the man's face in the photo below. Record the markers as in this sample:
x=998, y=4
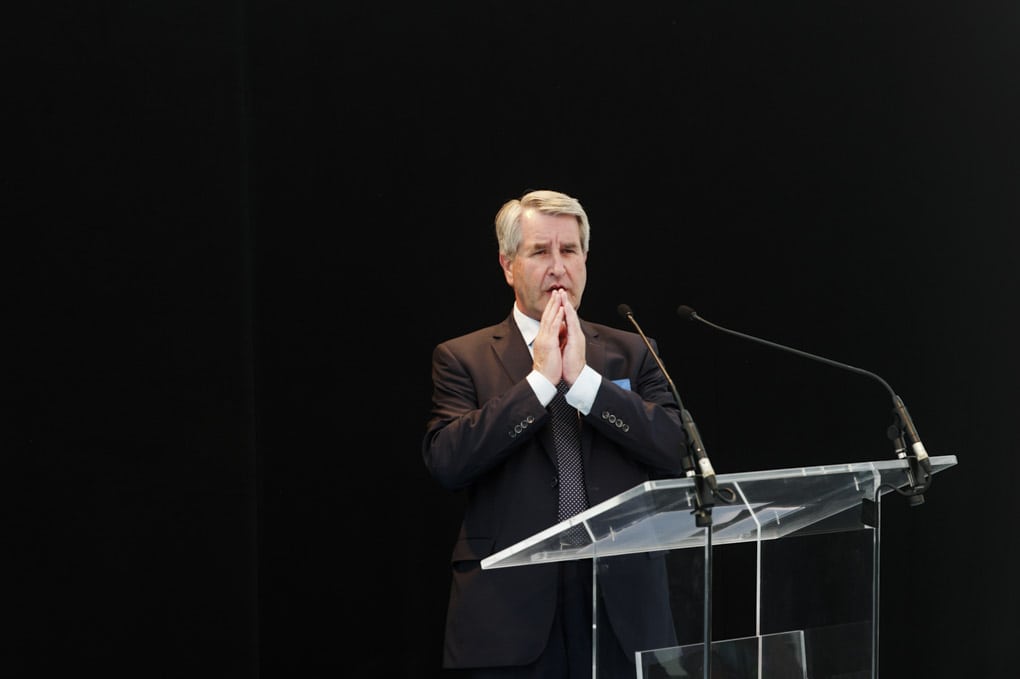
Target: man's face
x=549, y=258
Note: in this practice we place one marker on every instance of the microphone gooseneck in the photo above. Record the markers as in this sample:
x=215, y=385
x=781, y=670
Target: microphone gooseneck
x=693, y=435
x=690, y=314
x=906, y=424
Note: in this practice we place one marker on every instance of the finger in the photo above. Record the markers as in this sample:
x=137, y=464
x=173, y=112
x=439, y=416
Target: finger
x=570, y=316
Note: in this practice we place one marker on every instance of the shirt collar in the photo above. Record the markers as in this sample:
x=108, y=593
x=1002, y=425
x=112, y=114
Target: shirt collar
x=527, y=325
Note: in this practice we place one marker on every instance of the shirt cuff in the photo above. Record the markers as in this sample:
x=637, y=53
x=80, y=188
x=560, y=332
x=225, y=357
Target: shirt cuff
x=543, y=388
x=586, y=388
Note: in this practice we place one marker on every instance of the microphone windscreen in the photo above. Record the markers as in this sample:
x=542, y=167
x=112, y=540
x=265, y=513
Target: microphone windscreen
x=624, y=310
x=686, y=312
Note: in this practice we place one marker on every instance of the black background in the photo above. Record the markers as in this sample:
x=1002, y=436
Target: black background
x=236, y=230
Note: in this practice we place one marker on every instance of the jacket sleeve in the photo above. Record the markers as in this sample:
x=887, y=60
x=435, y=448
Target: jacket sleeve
x=464, y=440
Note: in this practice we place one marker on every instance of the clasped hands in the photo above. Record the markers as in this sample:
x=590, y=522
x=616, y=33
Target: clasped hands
x=558, y=349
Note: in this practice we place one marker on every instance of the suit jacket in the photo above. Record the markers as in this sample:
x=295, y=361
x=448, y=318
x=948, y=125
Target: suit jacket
x=487, y=435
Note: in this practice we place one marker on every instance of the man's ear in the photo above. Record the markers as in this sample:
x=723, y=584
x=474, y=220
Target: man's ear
x=508, y=272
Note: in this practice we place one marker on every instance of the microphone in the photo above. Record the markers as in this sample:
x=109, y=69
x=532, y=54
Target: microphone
x=899, y=408
x=693, y=435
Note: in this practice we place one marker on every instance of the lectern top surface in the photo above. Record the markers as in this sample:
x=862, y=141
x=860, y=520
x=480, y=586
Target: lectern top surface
x=770, y=504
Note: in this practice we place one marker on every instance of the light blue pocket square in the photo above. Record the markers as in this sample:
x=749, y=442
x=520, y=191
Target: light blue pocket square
x=625, y=383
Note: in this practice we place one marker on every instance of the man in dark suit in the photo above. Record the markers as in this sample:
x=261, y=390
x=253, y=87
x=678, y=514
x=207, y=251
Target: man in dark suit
x=488, y=435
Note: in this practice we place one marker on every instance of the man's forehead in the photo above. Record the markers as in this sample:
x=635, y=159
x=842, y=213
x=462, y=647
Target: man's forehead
x=546, y=237
x=547, y=227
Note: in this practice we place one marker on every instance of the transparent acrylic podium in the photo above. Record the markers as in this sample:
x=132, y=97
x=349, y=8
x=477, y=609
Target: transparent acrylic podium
x=796, y=552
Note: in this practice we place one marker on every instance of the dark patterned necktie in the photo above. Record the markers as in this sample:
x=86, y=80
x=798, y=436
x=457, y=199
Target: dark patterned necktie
x=566, y=429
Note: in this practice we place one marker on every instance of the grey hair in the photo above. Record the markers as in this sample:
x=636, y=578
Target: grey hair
x=508, y=219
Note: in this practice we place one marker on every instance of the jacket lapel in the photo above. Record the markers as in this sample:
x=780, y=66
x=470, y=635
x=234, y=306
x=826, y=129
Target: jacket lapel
x=511, y=351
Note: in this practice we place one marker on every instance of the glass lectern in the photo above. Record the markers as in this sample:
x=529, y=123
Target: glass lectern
x=798, y=550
